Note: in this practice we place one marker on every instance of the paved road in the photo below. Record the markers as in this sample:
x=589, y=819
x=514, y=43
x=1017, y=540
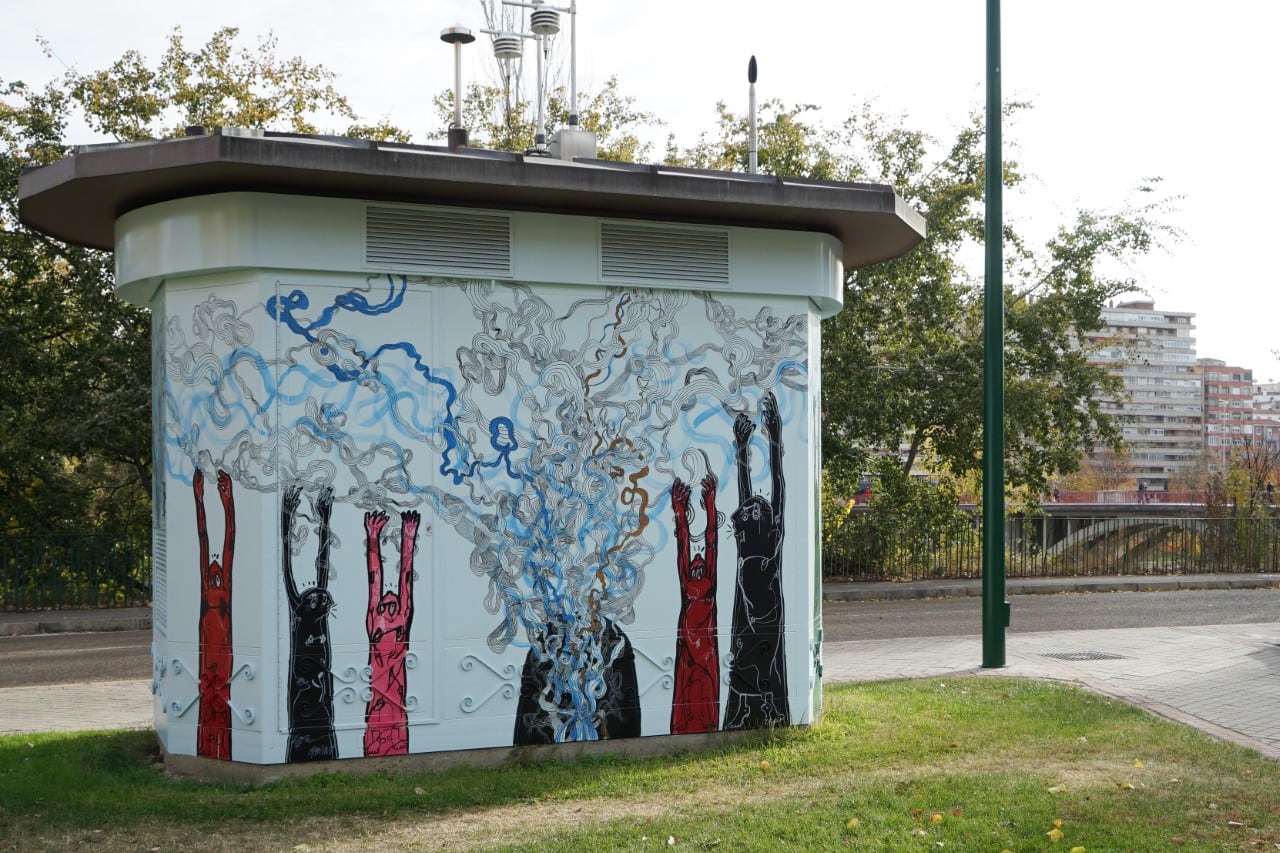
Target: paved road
x=1223, y=678
x=121, y=655
x=952, y=617
x=74, y=658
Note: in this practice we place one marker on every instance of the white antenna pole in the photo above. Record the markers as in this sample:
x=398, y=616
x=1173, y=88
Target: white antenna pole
x=540, y=132
x=752, y=147
x=545, y=23
x=573, y=62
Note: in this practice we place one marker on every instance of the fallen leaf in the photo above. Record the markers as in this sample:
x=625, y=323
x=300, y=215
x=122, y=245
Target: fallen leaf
x=853, y=823
x=1055, y=835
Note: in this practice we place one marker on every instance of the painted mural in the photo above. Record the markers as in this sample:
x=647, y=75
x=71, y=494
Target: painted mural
x=695, y=705
x=525, y=454
x=758, y=678
x=388, y=621
x=213, y=737
x=311, y=734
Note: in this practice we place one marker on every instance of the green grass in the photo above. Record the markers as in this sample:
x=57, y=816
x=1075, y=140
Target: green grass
x=937, y=765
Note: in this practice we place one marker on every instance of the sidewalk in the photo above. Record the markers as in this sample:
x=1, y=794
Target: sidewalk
x=1223, y=680
x=888, y=590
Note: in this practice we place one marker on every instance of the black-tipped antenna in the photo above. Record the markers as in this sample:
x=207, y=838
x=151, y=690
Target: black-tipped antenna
x=752, y=146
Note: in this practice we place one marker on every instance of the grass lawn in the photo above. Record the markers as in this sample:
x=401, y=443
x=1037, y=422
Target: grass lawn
x=957, y=764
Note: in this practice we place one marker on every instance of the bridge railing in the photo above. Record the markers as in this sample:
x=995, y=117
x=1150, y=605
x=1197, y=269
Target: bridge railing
x=1129, y=496
x=1056, y=546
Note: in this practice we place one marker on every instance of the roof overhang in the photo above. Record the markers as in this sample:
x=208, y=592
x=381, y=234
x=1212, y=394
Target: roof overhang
x=79, y=198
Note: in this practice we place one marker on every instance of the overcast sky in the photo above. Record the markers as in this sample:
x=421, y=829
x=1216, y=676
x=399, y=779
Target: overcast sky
x=1124, y=90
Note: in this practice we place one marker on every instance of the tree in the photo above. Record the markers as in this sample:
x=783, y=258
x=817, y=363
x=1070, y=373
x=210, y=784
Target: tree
x=902, y=363
x=75, y=450
x=497, y=119
x=1253, y=467
x=1102, y=471
x=786, y=144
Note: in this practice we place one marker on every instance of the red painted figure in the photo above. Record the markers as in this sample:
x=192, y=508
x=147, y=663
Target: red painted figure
x=696, y=704
x=213, y=732
x=388, y=620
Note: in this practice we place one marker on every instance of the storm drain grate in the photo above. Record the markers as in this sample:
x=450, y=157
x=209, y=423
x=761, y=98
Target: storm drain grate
x=1083, y=656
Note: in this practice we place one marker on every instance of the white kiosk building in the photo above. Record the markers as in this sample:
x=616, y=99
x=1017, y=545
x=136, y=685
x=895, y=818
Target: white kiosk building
x=462, y=450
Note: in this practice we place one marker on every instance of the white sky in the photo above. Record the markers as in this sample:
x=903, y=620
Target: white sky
x=1123, y=90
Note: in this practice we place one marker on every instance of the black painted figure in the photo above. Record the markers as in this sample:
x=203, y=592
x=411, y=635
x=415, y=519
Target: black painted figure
x=617, y=708
x=758, y=672
x=311, y=733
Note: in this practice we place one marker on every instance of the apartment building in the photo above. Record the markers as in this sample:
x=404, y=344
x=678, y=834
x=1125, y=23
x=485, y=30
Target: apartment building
x=1228, y=409
x=1266, y=414
x=1160, y=415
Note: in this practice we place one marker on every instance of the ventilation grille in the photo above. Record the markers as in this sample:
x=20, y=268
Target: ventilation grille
x=637, y=253
x=438, y=240
x=159, y=580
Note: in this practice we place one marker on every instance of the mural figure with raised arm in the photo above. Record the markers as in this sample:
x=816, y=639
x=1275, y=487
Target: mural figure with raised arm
x=388, y=620
x=213, y=732
x=758, y=672
x=695, y=707
x=311, y=733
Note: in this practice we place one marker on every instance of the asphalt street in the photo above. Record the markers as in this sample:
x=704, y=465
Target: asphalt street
x=121, y=655
x=74, y=658
x=953, y=617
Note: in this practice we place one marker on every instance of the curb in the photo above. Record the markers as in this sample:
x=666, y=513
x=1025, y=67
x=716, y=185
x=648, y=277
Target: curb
x=74, y=621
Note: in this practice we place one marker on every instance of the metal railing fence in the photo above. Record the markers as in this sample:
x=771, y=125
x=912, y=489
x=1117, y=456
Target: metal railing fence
x=74, y=570
x=915, y=549
x=102, y=570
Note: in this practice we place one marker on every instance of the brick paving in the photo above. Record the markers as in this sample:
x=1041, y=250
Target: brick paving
x=1221, y=679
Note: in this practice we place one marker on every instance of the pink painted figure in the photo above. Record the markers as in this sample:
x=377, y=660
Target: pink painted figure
x=388, y=619
x=213, y=730
x=695, y=707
